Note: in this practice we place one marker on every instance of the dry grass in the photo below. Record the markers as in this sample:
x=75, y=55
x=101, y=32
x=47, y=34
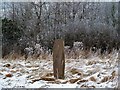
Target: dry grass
x=69, y=54
x=79, y=71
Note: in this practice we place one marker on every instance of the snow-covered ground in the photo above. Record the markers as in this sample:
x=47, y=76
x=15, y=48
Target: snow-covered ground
x=79, y=73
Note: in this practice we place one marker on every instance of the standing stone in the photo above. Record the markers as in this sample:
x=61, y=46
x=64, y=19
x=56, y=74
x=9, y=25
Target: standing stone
x=118, y=69
x=58, y=59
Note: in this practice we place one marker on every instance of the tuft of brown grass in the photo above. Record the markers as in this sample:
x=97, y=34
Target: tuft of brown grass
x=91, y=62
x=92, y=79
x=76, y=71
x=14, y=56
x=47, y=78
x=85, y=54
x=8, y=75
x=85, y=86
x=105, y=79
x=82, y=81
x=74, y=80
x=48, y=75
x=113, y=75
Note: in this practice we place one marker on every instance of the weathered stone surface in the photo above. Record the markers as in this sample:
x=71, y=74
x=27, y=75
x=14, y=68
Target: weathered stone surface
x=58, y=59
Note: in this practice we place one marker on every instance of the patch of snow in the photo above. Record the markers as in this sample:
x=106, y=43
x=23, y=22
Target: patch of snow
x=24, y=72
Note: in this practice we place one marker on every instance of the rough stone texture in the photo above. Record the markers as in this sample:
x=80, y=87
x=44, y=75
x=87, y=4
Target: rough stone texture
x=58, y=59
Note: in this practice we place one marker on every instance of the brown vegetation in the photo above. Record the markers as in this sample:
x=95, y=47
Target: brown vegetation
x=8, y=75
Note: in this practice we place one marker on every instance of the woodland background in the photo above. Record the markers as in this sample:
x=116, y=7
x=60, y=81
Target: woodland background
x=25, y=24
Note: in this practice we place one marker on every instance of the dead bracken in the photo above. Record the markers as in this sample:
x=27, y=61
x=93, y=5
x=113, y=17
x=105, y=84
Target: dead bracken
x=92, y=79
x=8, y=75
x=74, y=80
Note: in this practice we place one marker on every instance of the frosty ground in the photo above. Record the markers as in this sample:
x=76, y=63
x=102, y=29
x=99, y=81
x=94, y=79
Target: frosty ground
x=93, y=72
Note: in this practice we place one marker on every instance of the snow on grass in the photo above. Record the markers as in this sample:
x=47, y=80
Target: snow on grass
x=79, y=73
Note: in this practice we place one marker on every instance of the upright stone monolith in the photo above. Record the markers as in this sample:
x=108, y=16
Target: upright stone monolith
x=58, y=59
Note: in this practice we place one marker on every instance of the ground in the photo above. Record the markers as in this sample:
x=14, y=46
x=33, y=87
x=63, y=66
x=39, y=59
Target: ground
x=93, y=72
